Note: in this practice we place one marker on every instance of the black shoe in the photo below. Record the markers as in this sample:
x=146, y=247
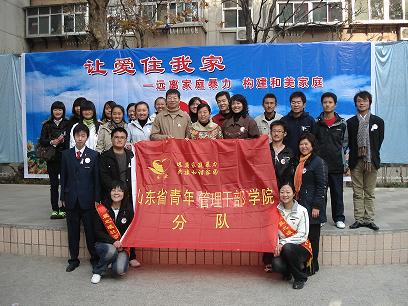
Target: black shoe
x=372, y=226
x=71, y=267
x=298, y=284
x=356, y=225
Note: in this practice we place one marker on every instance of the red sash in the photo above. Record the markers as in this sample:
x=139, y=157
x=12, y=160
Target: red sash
x=109, y=224
x=288, y=231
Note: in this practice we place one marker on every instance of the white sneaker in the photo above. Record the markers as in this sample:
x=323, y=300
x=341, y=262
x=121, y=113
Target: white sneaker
x=322, y=224
x=340, y=224
x=96, y=278
x=134, y=263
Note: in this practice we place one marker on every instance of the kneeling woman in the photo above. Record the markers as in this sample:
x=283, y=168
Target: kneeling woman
x=114, y=219
x=293, y=250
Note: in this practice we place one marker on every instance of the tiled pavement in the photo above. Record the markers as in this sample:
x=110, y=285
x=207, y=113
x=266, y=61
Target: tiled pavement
x=25, y=229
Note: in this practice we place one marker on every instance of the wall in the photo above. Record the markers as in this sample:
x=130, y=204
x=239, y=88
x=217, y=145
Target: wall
x=12, y=26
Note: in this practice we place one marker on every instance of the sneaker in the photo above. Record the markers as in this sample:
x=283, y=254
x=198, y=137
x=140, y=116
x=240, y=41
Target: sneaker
x=322, y=224
x=96, y=278
x=54, y=215
x=340, y=224
x=61, y=214
x=134, y=263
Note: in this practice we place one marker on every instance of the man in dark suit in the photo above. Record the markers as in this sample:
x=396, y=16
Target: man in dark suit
x=79, y=193
x=366, y=134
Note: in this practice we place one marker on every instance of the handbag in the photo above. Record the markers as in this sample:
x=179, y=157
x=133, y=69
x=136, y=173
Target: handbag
x=45, y=153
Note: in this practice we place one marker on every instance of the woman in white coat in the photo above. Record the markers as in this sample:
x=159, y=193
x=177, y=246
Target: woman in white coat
x=140, y=128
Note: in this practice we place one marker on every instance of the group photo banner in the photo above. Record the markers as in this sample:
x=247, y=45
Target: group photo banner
x=204, y=194
x=132, y=75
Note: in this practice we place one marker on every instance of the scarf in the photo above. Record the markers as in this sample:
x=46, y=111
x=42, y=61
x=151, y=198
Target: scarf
x=299, y=174
x=112, y=125
x=88, y=122
x=363, y=140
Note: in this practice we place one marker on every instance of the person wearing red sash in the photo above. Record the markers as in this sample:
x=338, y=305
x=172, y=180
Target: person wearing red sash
x=115, y=217
x=293, y=251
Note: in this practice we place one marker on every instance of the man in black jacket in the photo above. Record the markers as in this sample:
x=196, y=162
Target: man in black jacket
x=297, y=121
x=366, y=134
x=332, y=138
x=116, y=163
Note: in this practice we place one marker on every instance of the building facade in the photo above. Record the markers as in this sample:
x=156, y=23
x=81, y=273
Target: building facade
x=49, y=25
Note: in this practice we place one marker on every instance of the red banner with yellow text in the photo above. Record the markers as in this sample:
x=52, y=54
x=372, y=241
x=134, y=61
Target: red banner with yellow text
x=205, y=194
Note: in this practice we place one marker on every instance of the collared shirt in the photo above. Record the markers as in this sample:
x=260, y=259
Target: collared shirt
x=171, y=124
x=264, y=125
x=82, y=151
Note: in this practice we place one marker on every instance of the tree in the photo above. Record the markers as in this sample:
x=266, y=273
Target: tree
x=97, y=29
x=271, y=21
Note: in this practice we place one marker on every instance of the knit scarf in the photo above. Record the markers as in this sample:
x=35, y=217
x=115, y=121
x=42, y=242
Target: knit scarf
x=88, y=122
x=299, y=174
x=363, y=140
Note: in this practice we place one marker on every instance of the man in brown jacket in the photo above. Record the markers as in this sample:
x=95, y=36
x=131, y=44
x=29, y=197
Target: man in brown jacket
x=171, y=122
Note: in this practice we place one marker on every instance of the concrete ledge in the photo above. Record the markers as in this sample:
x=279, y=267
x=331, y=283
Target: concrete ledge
x=345, y=248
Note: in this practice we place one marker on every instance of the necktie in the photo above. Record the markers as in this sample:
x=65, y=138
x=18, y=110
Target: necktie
x=78, y=154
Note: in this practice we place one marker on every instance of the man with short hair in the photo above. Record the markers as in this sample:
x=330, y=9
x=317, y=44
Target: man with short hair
x=282, y=156
x=332, y=139
x=264, y=120
x=80, y=193
x=366, y=134
x=223, y=99
x=297, y=121
x=115, y=164
x=172, y=122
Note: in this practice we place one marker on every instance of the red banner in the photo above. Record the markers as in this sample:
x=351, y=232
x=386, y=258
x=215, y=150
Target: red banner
x=205, y=194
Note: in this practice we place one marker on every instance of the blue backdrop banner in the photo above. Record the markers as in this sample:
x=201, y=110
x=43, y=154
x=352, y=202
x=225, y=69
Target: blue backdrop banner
x=132, y=75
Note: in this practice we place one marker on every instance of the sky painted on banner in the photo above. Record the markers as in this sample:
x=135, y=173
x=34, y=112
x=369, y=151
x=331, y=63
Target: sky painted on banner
x=132, y=75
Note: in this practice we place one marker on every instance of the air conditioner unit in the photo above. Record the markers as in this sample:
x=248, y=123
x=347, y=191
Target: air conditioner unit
x=241, y=34
x=404, y=33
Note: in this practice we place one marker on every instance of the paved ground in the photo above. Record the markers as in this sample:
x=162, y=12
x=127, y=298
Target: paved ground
x=43, y=281
x=28, y=205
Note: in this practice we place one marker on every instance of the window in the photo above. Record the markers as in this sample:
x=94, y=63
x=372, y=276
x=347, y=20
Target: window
x=232, y=14
x=310, y=12
x=171, y=12
x=56, y=20
x=380, y=10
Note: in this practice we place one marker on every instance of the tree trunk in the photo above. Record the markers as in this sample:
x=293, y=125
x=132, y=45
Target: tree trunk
x=97, y=27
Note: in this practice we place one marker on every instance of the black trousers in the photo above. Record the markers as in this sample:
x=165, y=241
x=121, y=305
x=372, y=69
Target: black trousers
x=54, y=169
x=314, y=237
x=74, y=216
x=335, y=182
x=291, y=261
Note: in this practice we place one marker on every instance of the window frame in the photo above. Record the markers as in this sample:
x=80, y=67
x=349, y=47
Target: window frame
x=237, y=9
x=310, y=12
x=176, y=3
x=76, y=11
x=386, y=13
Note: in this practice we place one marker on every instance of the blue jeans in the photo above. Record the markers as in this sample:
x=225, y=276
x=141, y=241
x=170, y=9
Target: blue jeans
x=108, y=254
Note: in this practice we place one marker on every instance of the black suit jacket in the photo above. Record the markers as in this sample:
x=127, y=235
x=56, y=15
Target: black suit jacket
x=376, y=130
x=80, y=179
